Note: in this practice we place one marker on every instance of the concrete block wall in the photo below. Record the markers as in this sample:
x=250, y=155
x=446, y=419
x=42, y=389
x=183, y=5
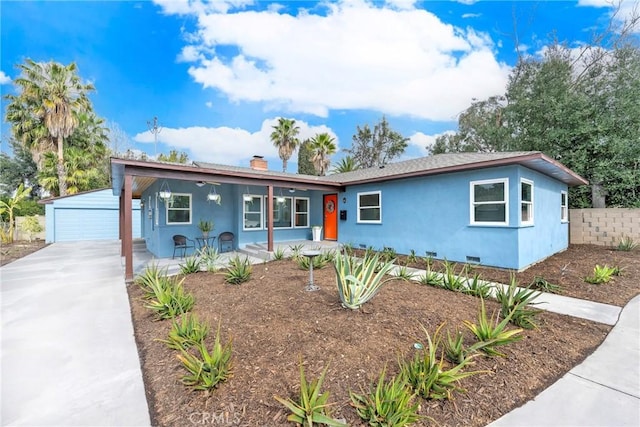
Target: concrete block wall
x=22, y=235
x=603, y=226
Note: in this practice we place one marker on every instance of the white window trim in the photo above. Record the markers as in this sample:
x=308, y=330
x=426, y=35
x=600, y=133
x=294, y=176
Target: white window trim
x=296, y=212
x=244, y=212
x=167, y=207
x=472, y=202
x=366, y=221
x=531, y=221
x=564, y=208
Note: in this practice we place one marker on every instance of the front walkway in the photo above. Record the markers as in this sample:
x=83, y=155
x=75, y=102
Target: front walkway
x=68, y=352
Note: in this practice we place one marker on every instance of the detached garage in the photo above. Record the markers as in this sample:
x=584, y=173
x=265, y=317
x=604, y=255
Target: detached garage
x=92, y=215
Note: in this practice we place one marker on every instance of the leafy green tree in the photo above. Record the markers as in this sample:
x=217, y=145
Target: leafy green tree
x=45, y=112
x=7, y=211
x=376, y=147
x=322, y=146
x=19, y=169
x=174, y=157
x=305, y=165
x=285, y=139
x=345, y=164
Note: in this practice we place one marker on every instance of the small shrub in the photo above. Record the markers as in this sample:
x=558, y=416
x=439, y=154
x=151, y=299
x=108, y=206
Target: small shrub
x=477, y=287
x=186, y=332
x=412, y=257
x=191, y=265
x=209, y=258
x=207, y=369
x=427, y=374
x=455, y=350
x=239, y=270
x=312, y=407
x=428, y=260
x=278, y=254
x=617, y=270
x=319, y=261
x=514, y=302
x=403, y=273
x=492, y=333
x=541, y=284
x=627, y=244
x=170, y=299
x=31, y=225
x=388, y=255
x=390, y=403
x=601, y=274
x=357, y=280
x=295, y=250
x=369, y=252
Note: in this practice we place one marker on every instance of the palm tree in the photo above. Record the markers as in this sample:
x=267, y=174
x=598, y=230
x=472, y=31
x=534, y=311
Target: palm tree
x=322, y=146
x=46, y=111
x=346, y=164
x=284, y=137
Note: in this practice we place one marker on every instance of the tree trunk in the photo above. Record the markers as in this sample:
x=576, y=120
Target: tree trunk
x=284, y=165
x=62, y=173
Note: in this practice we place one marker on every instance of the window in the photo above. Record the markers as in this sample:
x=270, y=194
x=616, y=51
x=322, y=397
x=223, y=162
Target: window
x=369, y=207
x=252, y=213
x=179, y=209
x=281, y=213
x=490, y=202
x=526, y=202
x=564, y=207
x=301, y=212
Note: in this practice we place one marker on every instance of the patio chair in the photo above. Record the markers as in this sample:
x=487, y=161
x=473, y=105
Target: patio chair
x=226, y=238
x=181, y=243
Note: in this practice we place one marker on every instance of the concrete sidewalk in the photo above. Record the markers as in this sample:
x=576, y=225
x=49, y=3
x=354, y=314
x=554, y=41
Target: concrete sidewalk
x=68, y=352
x=604, y=390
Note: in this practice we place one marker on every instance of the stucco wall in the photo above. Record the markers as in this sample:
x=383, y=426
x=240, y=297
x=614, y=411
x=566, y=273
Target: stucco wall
x=20, y=234
x=603, y=226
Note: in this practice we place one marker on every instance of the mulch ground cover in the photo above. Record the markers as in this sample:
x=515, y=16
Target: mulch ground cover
x=10, y=252
x=273, y=322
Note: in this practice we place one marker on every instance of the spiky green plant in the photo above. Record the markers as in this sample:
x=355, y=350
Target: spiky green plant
x=295, y=250
x=311, y=407
x=451, y=280
x=169, y=298
x=412, y=257
x=186, y=332
x=427, y=373
x=601, y=274
x=388, y=254
x=515, y=302
x=627, y=244
x=191, y=265
x=477, y=287
x=369, y=252
x=456, y=352
x=319, y=261
x=238, y=271
x=278, y=254
x=348, y=249
x=428, y=260
x=151, y=275
x=431, y=278
x=207, y=369
x=403, y=273
x=493, y=333
x=543, y=285
x=209, y=258
x=359, y=280
x=389, y=403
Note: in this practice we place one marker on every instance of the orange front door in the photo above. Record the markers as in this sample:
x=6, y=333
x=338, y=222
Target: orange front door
x=330, y=216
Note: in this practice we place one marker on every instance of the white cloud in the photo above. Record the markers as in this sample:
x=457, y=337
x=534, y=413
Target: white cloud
x=471, y=15
x=422, y=140
x=4, y=79
x=621, y=10
x=468, y=1
x=358, y=56
x=225, y=145
x=209, y=104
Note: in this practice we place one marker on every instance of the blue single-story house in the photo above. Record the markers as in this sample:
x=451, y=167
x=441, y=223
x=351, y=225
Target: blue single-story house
x=505, y=210
x=90, y=215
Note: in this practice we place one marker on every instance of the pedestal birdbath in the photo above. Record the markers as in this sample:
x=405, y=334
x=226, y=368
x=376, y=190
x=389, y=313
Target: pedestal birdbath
x=311, y=255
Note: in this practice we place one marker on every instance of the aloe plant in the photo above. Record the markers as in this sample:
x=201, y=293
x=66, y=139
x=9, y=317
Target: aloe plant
x=493, y=333
x=191, y=265
x=312, y=406
x=239, y=270
x=359, y=280
x=515, y=303
x=169, y=298
x=187, y=332
x=601, y=274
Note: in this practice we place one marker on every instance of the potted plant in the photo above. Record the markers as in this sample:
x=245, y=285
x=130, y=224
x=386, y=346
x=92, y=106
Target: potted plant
x=316, y=232
x=205, y=227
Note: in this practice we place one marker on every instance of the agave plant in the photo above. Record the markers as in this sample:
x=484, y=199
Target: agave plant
x=149, y=278
x=239, y=270
x=191, y=265
x=312, y=406
x=514, y=303
x=359, y=280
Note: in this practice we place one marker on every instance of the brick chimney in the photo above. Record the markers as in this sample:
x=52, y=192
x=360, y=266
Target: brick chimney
x=258, y=163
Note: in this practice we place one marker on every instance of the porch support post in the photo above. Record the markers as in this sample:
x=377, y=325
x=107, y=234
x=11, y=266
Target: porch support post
x=127, y=237
x=121, y=222
x=270, y=218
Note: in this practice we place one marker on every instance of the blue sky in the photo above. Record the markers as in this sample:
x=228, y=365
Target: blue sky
x=219, y=74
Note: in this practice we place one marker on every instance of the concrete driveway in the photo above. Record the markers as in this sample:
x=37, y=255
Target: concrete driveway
x=68, y=351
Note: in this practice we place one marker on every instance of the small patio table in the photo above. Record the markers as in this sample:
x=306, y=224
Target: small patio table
x=311, y=255
x=204, y=242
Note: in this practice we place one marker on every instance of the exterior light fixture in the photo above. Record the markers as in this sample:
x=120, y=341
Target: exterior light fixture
x=200, y=183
